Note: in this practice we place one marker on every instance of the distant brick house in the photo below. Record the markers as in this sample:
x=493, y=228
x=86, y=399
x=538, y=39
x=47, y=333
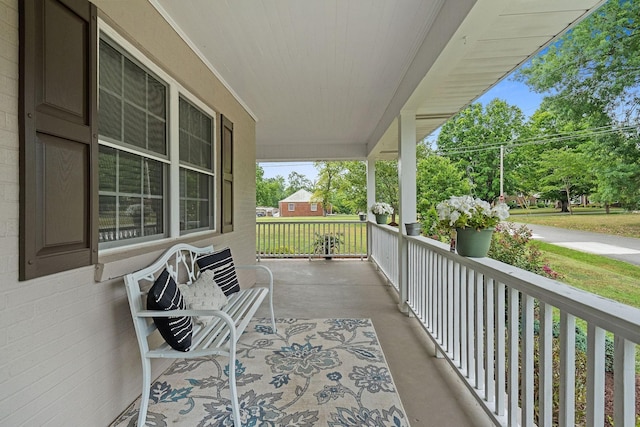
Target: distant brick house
x=300, y=204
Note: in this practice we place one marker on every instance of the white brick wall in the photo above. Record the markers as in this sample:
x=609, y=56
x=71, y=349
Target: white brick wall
x=68, y=354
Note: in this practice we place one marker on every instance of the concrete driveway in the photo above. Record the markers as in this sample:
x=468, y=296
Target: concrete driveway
x=621, y=248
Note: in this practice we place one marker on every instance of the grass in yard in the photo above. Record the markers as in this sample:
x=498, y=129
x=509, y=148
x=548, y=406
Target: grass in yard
x=618, y=224
x=606, y=277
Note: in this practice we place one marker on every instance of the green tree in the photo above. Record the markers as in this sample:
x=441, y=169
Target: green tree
x=329, y=180
x=269, y=191
x=296, y=181
x=595, y=64
x=437, y=179
x=567, y=171
x=472, y=139
x=387, y=185
x=354, y=186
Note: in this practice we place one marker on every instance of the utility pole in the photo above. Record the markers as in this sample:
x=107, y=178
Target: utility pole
x=502, y=174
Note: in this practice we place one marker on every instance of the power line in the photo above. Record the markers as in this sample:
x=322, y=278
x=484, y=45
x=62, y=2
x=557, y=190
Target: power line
x=539, y=141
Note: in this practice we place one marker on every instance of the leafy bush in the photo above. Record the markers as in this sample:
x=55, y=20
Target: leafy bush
x=511, y=245
x=328, y=243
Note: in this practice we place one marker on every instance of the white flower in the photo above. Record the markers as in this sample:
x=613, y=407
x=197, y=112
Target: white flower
x=468, y=212
x=381, y=208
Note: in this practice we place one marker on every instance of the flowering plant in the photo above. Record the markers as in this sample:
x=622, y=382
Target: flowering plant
x=469, y=212
x=381, y=208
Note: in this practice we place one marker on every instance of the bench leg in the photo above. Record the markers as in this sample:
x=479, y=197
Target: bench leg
x=273, y=318
x=146, y=389
x=235, y=406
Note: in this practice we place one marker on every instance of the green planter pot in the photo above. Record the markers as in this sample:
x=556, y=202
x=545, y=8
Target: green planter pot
x=473, y=243
x=381, y=219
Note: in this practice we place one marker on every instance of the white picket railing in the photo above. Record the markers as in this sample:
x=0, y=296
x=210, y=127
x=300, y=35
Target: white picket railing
x=308, y=239
x=491, y=321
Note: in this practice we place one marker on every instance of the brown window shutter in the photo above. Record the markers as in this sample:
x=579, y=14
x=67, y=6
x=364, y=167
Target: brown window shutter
x=58, y=136
x=227, y=175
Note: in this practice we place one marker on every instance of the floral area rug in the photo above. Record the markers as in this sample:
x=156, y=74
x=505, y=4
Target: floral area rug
x=319, y=372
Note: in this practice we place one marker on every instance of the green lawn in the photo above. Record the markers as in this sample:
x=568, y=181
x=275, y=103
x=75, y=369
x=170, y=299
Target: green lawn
x=617, y=224
x=603, y=276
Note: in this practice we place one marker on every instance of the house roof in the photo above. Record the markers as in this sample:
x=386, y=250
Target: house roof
x=298, y=196
x=327, y=79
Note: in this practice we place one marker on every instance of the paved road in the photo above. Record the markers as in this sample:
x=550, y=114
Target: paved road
x=620, y=248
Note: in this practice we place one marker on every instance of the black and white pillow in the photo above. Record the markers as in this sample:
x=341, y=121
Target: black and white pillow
x=224, y=270
x=165, y=295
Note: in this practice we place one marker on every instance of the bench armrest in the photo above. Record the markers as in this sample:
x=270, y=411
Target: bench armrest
x=259, y=267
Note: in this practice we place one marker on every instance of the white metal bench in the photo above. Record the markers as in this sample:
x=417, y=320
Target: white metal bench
x=219, y=337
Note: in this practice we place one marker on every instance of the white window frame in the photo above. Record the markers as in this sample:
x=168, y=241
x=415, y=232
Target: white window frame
x=314, y=207
x=175, y=90
x=291, y=207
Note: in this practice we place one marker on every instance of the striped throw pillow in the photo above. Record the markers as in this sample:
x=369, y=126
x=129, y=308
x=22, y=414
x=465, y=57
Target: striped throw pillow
x=165, y=295
x=223, y=268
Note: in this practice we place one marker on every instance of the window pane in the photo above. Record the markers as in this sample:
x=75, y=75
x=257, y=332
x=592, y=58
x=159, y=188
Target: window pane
x=110, y=109
x=133, y=207
x=156, y=97
x=133, y=103
x=153, y=218
x=107, y=169
x=184, y=146
x=195, y=200
x=107, y=218
x=110, y=68
x=130, y=173
x=135, y=84
x=153, y=181
x=135, y=125
x=156, y=135
x=195, y=136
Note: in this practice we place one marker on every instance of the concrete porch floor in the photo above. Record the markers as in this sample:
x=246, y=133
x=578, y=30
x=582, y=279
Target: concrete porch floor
x=431, y=392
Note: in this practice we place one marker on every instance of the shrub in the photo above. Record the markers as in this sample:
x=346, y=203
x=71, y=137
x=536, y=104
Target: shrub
x=511, y=245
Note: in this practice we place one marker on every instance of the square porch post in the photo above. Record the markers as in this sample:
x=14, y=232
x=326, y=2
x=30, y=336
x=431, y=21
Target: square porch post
x=371, y=196
x=407, y=195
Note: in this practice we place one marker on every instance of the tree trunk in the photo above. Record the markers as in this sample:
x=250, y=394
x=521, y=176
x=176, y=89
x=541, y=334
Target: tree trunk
x=607, y=208
x=564, y=206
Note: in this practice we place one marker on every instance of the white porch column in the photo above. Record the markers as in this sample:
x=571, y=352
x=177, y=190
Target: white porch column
x=371, y=186
x=371, y=197
x=407, y=184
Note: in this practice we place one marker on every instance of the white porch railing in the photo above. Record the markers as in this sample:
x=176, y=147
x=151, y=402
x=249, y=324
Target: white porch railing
x=481, y=314
x=384, y=252
x=308, y=239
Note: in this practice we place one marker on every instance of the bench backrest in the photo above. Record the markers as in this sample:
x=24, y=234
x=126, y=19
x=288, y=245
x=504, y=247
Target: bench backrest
x=180, y=261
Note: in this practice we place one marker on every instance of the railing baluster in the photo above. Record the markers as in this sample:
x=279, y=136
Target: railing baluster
x=464, y=323
x=479, y=331
x=624, y=387
x=500, y=310
x=545, y=369
x=514, y=334
x=489, y=342
x=595, y=375
x=526, y=356
x=456, y=314
x=471, y=342
x=567, y=369
x=450, y=286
